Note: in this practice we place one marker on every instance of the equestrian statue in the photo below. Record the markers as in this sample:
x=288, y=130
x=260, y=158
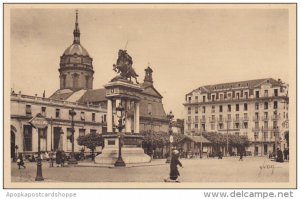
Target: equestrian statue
x=124, y=66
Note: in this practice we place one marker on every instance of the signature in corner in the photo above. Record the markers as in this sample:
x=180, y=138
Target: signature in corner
x=267, y=166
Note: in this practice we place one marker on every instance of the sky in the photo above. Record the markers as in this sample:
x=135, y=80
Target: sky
x=186, y=48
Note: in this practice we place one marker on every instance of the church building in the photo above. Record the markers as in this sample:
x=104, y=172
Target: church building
x=76, y=75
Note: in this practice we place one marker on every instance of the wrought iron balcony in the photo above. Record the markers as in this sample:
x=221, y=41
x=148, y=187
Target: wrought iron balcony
x=212, y=120
x=245, y=118
x=203, y=120
x=236, y=120
x=264, y=118
x=275, y=117
x=255, y=119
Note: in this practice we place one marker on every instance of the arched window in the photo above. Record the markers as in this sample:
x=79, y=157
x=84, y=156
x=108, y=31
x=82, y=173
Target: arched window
x=87, y=78
x=75, y=80
x=64, y=81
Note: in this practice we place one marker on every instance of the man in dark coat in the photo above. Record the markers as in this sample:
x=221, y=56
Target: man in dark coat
x=285, y=152
x=174, y=173
x=279, y=156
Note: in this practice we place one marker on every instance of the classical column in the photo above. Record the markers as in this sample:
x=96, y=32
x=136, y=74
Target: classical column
x=116, y=119
x=109, y=116
x=128, y=119
x=137, y=118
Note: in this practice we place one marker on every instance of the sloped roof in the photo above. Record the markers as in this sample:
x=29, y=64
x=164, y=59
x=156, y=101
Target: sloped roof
x=157, y=110
x=198, y=139
x=150, y=90
x=250, y=84
x=61, y=94
x=93, y=95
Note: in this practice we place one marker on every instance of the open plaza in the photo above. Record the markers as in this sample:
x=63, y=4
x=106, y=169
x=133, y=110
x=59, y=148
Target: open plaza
x=251, y=169
x=122, y=120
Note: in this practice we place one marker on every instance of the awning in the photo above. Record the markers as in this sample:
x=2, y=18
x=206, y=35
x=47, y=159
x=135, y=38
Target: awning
x=197, y=139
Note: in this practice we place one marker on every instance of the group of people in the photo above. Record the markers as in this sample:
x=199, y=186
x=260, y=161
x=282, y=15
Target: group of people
x=282, y=156
x=59, y=156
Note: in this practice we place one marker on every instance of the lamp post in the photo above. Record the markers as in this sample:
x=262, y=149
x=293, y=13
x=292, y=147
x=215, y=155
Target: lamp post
x=120, y=111
x=276, y=139
x=16, y=147
x=227, y=136
x=72, y=159
x=39, y=175
x=51, y=121
x=201, y=144
x=40, y=123
x=151, y=133
x=170, y=116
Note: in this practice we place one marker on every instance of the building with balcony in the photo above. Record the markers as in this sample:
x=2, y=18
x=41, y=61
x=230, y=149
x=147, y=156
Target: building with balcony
x=257, y=109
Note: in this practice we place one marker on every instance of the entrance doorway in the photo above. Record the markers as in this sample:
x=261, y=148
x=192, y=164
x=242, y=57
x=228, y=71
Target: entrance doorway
x=265, y=149
x=256, y=151
x=12, y=145
x=56, y=137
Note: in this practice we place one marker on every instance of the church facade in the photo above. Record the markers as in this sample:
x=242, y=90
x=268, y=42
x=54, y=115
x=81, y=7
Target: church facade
x=76, y=92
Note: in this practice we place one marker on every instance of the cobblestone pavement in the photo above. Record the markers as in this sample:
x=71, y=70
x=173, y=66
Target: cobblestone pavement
x=252, y=169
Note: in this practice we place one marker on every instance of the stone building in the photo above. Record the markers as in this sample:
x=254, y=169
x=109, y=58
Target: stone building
x=254, y=108
x=24, y=107
x=76, y=91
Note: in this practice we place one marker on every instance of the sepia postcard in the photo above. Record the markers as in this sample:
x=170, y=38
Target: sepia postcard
x=149, y=96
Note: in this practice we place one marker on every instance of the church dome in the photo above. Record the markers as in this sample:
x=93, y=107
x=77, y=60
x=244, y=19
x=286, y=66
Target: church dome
x=76, y=65
x=77, y=49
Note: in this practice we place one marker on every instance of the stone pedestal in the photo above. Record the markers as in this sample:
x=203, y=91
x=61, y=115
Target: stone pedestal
x=125, y=93
x=132, y=152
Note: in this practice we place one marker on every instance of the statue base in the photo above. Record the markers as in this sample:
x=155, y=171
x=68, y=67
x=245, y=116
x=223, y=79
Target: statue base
x=132, y=152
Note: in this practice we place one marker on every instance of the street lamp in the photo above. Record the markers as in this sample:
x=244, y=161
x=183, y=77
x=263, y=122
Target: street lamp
x=227, y=137
x=39, y=175
x=151, y=133
x=16, y=147
x=276, y=138
x=170, y=116
x=72, y=159
x=120, y=113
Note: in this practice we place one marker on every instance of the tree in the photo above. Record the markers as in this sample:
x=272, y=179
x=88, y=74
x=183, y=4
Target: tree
x=91, y=141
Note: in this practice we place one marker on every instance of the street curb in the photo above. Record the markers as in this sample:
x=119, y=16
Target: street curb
x=113, y=167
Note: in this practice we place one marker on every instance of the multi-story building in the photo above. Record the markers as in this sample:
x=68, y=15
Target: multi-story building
x=76, y=91
x=88, y=118
x=255, y=108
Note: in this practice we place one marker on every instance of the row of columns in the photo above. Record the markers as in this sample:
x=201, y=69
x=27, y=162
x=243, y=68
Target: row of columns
x=136, y=116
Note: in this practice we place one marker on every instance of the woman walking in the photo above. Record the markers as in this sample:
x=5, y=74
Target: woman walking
x=174, y=173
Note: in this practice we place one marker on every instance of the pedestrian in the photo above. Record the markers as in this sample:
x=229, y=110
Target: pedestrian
x=279, y=156
x=174, y=173
x=58, y=157
x=63, y=158
x=51, y=157
x=241, y=156
x=285, y=152
x=20, y=161
x=46, y=156
x=82, y=154
x=220, y=156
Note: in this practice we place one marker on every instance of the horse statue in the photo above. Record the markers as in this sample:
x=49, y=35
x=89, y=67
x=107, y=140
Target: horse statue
x=124, y=66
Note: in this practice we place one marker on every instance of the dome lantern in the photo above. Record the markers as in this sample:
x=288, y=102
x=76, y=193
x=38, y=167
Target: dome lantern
x=76, y=68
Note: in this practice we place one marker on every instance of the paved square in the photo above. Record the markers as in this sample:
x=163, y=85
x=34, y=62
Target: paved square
x=252, y=169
